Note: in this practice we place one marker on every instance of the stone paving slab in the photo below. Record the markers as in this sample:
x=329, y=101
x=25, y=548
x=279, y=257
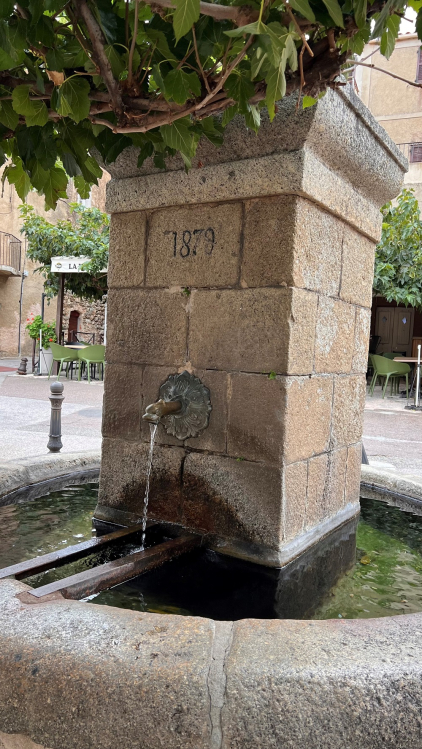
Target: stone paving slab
x=392, y=436
x=25, y=416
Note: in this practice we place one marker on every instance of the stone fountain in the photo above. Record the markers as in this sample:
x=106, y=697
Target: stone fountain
x=252, y=274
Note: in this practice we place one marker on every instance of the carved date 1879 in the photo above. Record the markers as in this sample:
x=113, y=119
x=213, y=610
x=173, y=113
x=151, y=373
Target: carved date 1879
x=187, y=242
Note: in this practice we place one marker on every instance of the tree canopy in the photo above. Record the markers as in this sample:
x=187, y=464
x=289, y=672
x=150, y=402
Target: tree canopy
x=96, y=76
x=86, y=235
x=398, y=257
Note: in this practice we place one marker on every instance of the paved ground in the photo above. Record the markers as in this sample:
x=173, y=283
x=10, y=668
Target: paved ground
x=392, y=435
x=25, y=414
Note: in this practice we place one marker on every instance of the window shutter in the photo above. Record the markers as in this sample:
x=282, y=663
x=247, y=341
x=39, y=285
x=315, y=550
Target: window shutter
x=415, y=153
x=419, y=68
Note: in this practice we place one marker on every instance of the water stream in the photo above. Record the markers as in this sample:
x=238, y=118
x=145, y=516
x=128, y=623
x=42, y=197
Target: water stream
x=153, y=430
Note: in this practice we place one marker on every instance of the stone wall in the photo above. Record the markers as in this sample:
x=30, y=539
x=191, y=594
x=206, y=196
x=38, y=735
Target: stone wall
x=255, y=274
x=91, y=316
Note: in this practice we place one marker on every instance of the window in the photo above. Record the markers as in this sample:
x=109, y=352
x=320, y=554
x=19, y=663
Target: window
x=415, y=153
x=419, y=68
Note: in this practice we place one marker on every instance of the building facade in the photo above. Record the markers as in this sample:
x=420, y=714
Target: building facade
x=397, y=106
x=21, y=286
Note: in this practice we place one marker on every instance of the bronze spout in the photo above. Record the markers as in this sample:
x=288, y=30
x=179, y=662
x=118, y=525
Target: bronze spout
x=155, y=412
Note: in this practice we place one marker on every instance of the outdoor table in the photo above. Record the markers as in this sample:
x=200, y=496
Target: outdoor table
x=408, y=360
x=75, y=345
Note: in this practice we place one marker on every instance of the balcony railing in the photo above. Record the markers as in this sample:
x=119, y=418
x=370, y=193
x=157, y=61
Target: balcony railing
x=10, y=251
x=412, y=152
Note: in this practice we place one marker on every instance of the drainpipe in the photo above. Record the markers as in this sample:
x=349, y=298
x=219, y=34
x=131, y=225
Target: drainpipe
x=23, y=276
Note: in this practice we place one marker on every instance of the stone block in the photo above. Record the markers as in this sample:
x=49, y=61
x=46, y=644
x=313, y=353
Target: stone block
x=122, y=401
x=123, y=476
x=295, y=479
x=318, y=242
x=348, y=405
x=214, y=437
x=315, y=501
x=146, y=327
x=251, y=329
x=358, y=268
x=302, y=324
x=195, y=246
x=127, y=249
x=324, y=684
x=255, y=423
x=307, y=417
x=232, y=499
x=78, y=676
x=361, y=347
x=268, y=242
x=353, y=472
x=334, y=344
x=334, y=492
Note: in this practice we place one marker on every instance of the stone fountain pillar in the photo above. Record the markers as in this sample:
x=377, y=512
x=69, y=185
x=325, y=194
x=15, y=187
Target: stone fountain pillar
x=254, y=272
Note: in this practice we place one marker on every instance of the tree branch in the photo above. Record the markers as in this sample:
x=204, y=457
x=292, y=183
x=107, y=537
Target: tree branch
x=132, y=46
x=387, y=72
x=204, y=77
x=240, y=15
x=98, y=43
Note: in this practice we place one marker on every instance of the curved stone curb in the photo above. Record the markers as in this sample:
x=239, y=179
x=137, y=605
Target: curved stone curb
x=81, y=676
x=401, y=491
x=44, y=469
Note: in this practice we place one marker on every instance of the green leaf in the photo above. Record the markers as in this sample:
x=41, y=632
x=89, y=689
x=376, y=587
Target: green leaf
x=73, y=99
x=16, y=176
x=145, y=152
x=388, y=38
x=241, y=89
x=178, y=136
x=12, y=40
x=360, y=8
x=6, y=8
x=161, y=43
x=276, y=87
x=55, y=60
x=116, y=62
x=335, y=12
x=83, y=187
x=46, y=149
x=6, y=62
x=252, y=28
x=253, y=118
x=8, y=116
x=212, y=131
x=303, y=7
x=258, y=60
x=34, y=110
x=179, y=85
x=228, y=114
x=55, y=187
x=36, y=8
x=39, y=176
x=185, y=15
x=308, y=101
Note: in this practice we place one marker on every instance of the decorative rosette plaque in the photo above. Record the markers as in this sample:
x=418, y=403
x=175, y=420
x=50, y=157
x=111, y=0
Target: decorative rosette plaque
x=194, y=415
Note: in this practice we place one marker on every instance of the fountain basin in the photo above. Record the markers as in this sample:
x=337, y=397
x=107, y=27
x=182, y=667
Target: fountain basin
x=79, y=676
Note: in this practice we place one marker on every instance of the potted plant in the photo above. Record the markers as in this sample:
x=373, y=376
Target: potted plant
x=36, y=327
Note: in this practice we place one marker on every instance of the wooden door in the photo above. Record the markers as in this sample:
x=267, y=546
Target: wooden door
x=403, y=329
x=384, y=324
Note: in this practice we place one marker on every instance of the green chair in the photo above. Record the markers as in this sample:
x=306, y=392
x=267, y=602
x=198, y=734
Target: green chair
x=387, y=369
x=91, y=355
x=403, y=370
x=63, y=355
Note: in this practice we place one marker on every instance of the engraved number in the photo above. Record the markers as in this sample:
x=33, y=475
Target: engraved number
x=187, y=242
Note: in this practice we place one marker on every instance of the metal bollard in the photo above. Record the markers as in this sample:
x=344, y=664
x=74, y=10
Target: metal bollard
x=55, y=443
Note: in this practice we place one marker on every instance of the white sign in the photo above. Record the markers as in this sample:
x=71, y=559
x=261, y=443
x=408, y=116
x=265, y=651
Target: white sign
x=70, y=264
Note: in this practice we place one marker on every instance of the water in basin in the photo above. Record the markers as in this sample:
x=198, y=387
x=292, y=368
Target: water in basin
x=385, y=576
